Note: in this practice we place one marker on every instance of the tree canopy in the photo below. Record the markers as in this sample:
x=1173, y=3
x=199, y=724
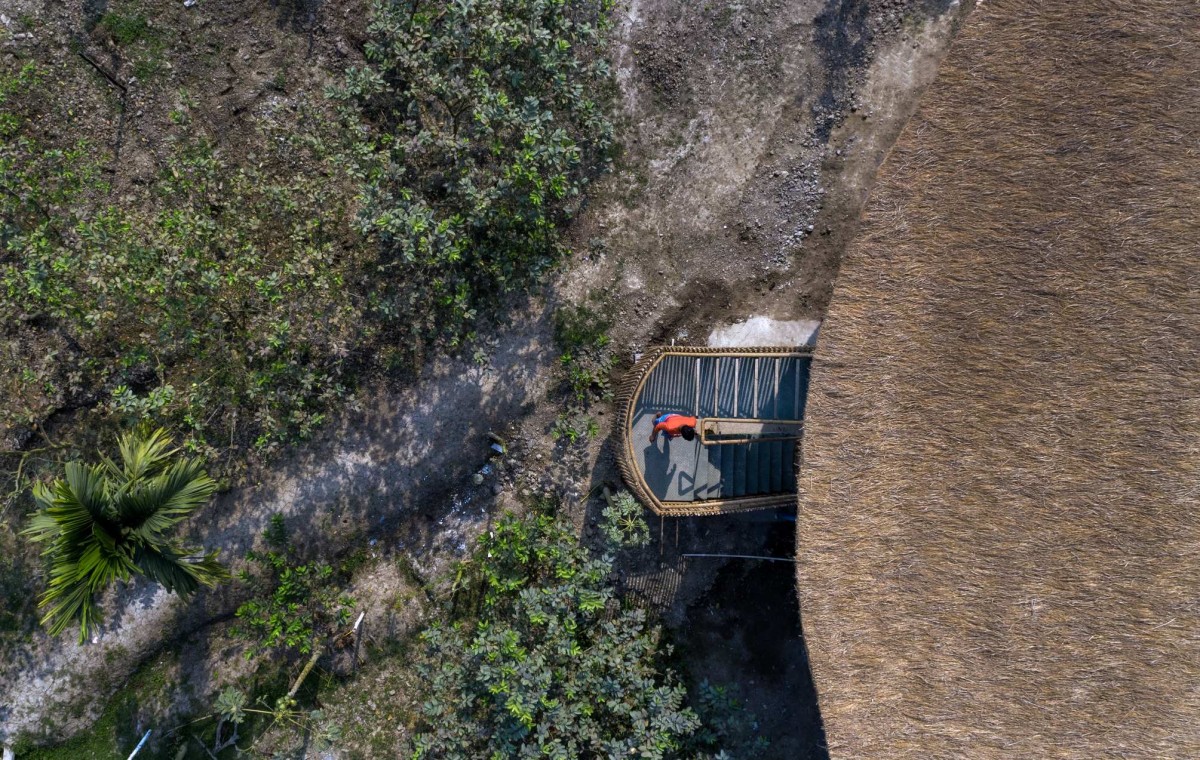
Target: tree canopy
x=113, y=520
x=553, y=666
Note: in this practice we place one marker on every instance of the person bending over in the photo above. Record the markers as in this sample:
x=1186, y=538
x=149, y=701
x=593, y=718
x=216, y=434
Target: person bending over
x=674, y=425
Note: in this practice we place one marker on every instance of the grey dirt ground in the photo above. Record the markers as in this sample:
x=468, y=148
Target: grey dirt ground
x=751, y=133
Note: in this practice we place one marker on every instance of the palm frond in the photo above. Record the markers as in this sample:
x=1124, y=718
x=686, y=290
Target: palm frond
x=180, y=570
x=107, y=522
x=42, y=527
x=86, y=487
x=156, y=504
x=43, y=496
x=74, y=583
x=74, y=602
x=68, y=508
x=142, y=455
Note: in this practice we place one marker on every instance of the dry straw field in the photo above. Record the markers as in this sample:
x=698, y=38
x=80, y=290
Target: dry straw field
x=999, y=534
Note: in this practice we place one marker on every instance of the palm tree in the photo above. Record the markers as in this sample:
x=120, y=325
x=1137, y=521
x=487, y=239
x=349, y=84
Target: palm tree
x=109, y=521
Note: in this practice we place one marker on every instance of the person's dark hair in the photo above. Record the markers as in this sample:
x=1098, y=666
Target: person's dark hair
x=688, y=432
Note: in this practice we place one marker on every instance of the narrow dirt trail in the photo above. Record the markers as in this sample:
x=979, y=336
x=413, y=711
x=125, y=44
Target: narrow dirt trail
x=748, y=131
x=382, y=471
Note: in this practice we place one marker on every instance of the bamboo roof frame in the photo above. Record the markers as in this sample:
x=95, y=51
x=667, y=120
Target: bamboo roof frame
x=631, y=389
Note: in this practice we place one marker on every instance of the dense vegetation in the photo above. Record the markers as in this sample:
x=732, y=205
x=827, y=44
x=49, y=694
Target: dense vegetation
x=237, y=300
x=481, y=129
x=531, y=652
x=552, y=666
x=584, y=366
x=215, y=303
x=297, y=606
x=245, y=285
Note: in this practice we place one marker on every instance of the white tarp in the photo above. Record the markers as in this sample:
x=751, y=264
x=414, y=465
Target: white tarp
x=764, y=331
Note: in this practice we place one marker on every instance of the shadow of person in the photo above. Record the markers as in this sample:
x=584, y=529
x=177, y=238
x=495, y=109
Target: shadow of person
x=659, y=469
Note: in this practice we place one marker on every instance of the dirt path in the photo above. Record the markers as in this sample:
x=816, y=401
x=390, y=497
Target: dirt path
x=751, y=136
x=382, y=472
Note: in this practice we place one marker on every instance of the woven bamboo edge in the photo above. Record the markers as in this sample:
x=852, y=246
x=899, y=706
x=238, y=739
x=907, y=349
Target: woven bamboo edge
x=631, y=388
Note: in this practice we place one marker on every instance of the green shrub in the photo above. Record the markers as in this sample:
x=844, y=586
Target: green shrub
x=238, y=301
x=481, y=128
x=125, y=29
x=623, y=523
x=727, y=726
x=553, y=667
x=584, y=368
x=219, y=304
x=296, y=606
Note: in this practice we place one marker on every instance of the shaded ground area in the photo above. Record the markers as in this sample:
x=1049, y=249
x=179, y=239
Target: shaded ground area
x=997, y=533
x=746, y=631
x=733, y=620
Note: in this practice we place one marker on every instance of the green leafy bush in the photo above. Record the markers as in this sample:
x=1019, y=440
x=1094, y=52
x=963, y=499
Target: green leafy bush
x=296, y=606
x=482, y=126
x=584, y=368
x=37, y=181
x=553, y=667
x=218, y=303
x=240, y=297
x=125, y=29
x=586, y=360
x=623, y=523
x=728, y=728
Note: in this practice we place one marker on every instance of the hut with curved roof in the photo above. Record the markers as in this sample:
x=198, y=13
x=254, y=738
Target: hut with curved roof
x=998, y=535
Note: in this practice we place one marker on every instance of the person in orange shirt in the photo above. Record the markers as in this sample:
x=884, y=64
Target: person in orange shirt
x=674, y=425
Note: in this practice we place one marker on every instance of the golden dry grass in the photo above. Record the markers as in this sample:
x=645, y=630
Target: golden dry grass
x=999, y=539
